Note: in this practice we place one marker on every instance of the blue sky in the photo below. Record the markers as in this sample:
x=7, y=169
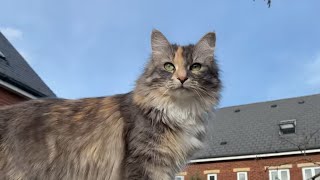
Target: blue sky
x=96, y=48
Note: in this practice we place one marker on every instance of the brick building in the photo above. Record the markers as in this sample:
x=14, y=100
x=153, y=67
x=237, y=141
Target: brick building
x=18, y=81
x=261, y=141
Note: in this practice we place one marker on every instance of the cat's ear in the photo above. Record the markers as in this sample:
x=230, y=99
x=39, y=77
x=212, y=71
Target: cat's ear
x=160, y=44
x=205, y=47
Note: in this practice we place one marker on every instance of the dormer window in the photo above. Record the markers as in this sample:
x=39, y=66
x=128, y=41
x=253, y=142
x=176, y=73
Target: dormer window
x=237, y=110
x=2, y=56
x=287, y=126
x=273, y=106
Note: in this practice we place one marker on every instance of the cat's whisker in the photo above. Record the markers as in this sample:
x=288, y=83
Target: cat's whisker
x=204, y=91
x=201, y=97
x=208, y=94
x=164, y=93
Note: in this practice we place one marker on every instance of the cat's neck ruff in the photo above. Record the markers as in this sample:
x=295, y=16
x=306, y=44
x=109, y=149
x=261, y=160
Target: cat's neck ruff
x=182, y=110
x=184, y=107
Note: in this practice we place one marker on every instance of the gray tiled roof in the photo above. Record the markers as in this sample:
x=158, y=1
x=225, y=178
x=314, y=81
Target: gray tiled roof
x=255, y=130
x=16, y=71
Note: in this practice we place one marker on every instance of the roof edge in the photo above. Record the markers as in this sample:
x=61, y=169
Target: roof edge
x=254, y=156
x=21, y=86
x=16, y=89
x=268, y=101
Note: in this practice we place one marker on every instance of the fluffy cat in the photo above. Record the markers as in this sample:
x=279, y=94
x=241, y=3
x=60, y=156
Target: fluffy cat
x=146, y=134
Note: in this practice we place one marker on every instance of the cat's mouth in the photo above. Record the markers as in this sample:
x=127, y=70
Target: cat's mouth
x=181, y=92
x=182, y=89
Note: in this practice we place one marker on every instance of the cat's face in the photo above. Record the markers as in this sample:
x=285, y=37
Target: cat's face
x=182, y=71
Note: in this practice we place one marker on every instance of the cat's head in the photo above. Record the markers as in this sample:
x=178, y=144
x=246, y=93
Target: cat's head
x=177, y=73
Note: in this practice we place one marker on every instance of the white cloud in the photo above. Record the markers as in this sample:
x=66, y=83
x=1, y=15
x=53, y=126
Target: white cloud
x=15, y=36
x=313, y=71
x=11, y=33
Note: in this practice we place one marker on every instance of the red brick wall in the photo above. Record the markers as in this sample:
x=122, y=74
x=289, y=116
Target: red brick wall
x=7, y=97
x=257, y=167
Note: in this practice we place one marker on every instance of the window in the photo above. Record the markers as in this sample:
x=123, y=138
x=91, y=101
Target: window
x=179, y=178
x=212, y=177
x=281, y=174
x=2, y=56
x=237, y=110
x=287, y=127
x=242, y=176
x=308, y=173
x=274, y=106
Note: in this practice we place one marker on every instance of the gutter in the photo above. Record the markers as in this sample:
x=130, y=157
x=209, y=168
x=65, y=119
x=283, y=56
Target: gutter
x=17, y=90
x=255, y=156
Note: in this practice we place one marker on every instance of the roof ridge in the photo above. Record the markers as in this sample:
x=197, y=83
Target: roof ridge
x=269, y=101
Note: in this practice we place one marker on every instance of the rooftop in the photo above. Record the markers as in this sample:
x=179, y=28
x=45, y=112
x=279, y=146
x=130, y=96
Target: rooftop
x=255, y=128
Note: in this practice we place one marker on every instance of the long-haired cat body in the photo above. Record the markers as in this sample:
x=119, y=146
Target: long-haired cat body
x=146, y=134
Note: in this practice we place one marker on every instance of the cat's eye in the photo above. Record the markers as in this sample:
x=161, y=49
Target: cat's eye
x=195, y=67
x=169, y=67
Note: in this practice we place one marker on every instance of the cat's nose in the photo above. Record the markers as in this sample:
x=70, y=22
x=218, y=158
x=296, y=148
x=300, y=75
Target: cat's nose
x=182, y=79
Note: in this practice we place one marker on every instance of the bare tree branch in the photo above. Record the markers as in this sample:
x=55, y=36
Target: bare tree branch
x=268, y=3
x=301, y=145
x=315, y=176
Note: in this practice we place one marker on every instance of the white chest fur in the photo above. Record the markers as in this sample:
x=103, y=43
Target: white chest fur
x=190, y=118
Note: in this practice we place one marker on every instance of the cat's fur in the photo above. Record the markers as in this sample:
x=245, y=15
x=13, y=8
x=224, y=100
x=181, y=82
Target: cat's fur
x=146, y=134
